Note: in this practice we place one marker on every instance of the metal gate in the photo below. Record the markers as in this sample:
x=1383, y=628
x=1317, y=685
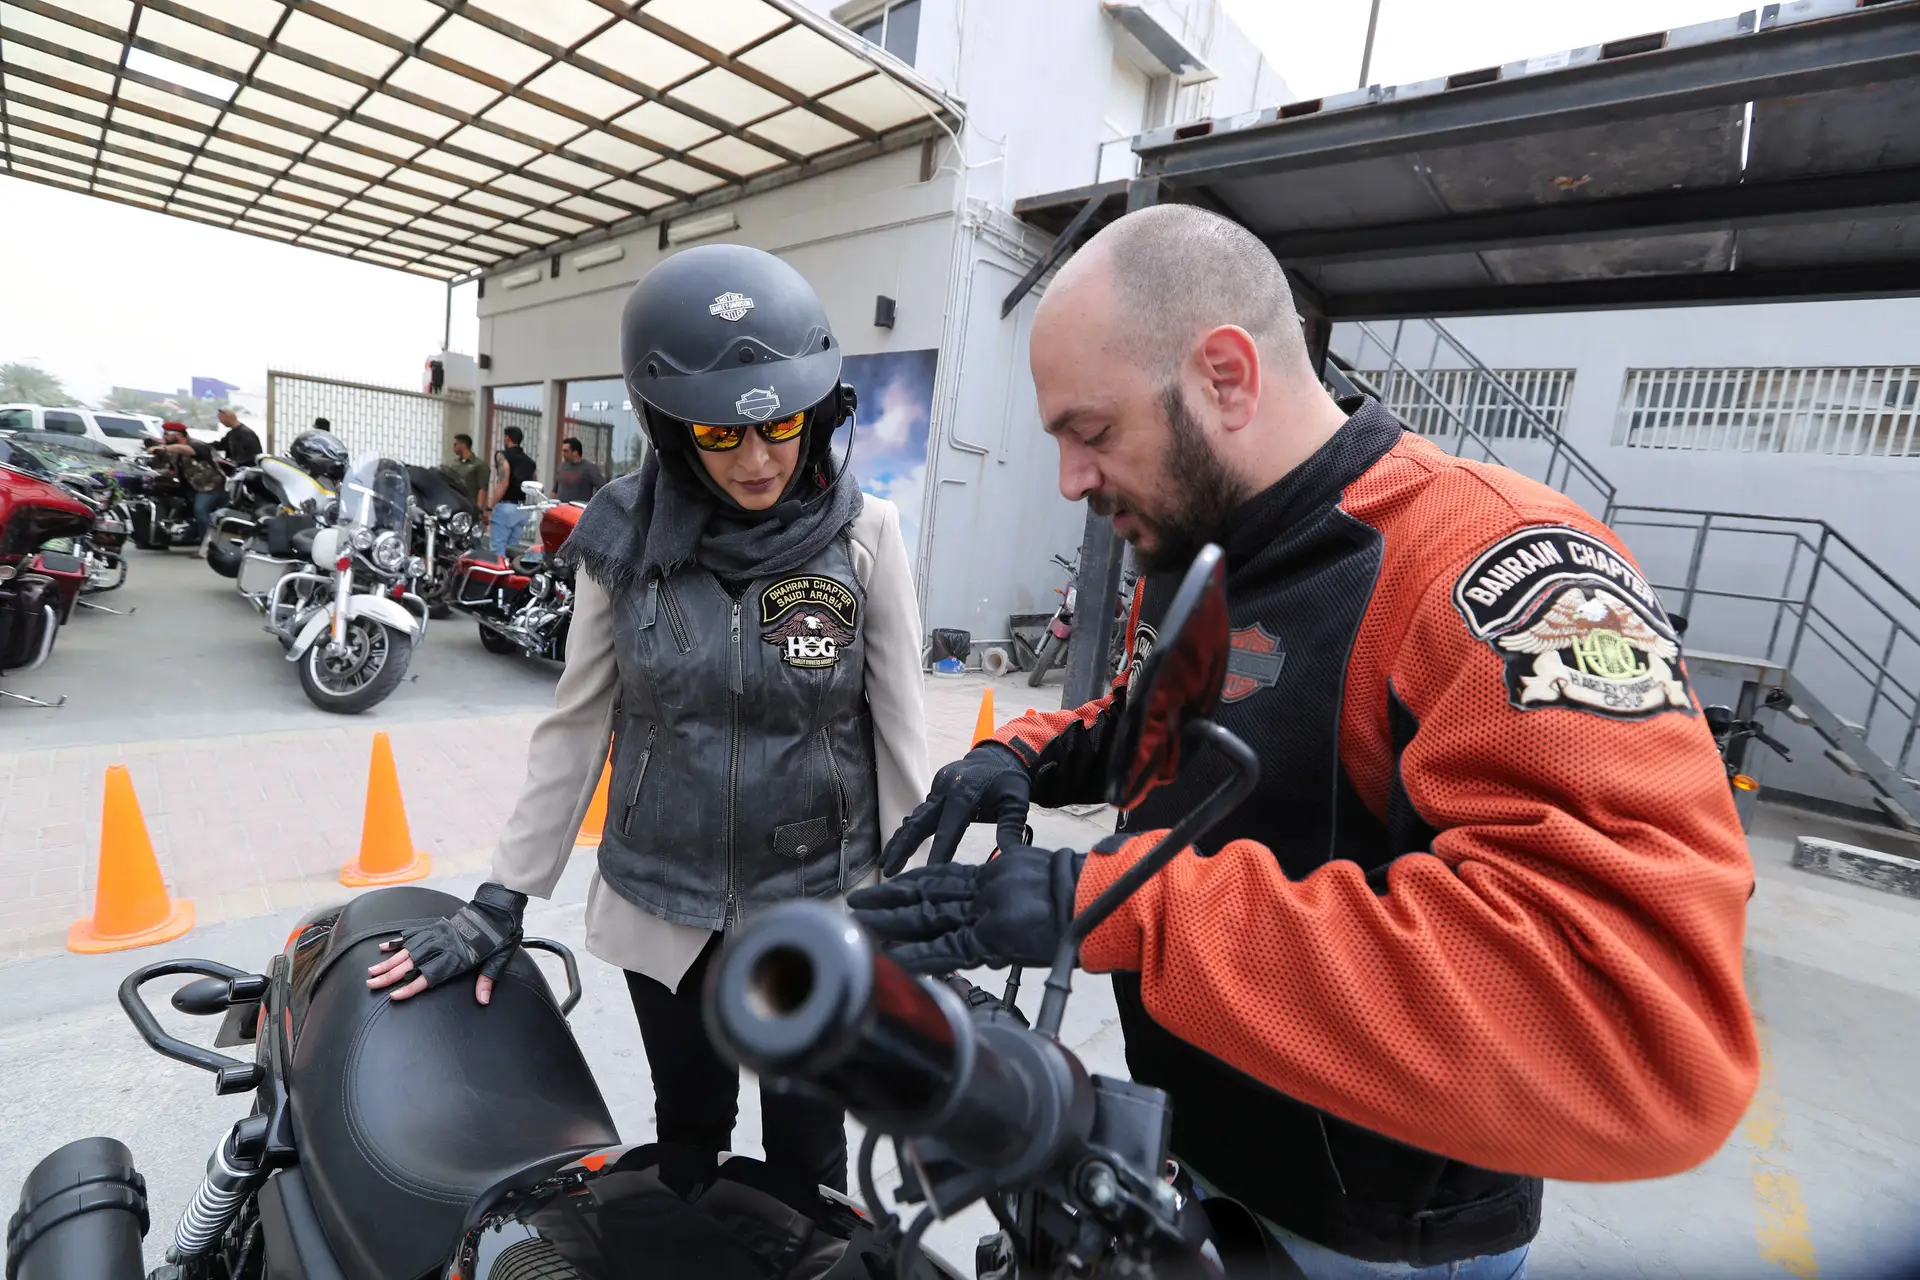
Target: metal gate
x=410, y=426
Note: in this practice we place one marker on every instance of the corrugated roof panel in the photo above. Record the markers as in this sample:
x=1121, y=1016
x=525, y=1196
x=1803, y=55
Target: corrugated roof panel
x=283, y=109
x=736, y=156
x=19, y=111
x=726, y=25
x=636, y=52
x=388, y=109
x=681, y=177
x=583, y=91
x=439, y=85
x=720, y=92
x=486, y=50
x=632, y=193
x=804, y=60
x=524, y=117
x=803, y=131
x=408, y=19
x=185, y=37
x=257, y=16
x=617, y=152
x=539, y=192
x=879, y=103
x=564, y=22
x=567, y=171
x=117, y=13
x=12, y=51
x=666, y=126
x=337, y=44
x=505, y=150
x=14, y=18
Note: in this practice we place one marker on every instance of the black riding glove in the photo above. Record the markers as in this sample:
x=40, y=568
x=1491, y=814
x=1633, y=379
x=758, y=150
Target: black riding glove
x=480, y=935
x=988, y=784
x=1012, y=909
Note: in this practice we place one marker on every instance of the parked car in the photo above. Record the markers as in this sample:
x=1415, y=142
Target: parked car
x=124, y=433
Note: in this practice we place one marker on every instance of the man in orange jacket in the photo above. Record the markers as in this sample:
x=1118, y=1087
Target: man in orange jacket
x=1482, y=923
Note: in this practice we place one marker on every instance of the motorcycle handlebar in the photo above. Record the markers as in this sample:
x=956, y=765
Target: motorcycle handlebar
x=802, y=993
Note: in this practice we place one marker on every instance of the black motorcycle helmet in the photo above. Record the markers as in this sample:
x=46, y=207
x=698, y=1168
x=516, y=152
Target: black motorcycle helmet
x=725, y=335
x=320, y=454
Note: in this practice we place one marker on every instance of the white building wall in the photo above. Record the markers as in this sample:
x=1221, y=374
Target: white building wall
x=1034, y=79
x=1873, y=501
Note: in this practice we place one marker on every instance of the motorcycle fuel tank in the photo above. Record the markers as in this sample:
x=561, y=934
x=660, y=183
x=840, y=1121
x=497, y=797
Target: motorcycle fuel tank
x=556, y=525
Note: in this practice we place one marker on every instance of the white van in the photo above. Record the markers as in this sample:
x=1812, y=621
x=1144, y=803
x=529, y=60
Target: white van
x=124, y=433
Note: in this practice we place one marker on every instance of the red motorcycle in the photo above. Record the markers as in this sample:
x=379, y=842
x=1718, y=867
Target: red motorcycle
x=523, y=607
x=38, y=588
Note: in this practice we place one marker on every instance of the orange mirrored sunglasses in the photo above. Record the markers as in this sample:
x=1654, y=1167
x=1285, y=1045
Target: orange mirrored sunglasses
x=721, y=439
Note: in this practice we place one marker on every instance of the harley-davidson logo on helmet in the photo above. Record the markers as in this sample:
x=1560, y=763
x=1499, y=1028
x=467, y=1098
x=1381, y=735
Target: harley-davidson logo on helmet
x=730, y=306
x=760, y=403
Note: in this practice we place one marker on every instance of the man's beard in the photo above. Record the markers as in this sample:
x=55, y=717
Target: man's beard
x=1202, y=494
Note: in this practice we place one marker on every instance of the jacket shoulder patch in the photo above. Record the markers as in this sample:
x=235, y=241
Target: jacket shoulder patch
x=1574, y=625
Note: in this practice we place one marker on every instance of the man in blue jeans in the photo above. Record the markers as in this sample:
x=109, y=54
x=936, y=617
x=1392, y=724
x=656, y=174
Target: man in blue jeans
x=512, y=468
x=192, y=461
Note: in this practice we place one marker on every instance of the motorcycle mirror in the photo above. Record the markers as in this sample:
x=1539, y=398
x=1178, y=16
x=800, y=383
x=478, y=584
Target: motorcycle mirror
x=1179, y=683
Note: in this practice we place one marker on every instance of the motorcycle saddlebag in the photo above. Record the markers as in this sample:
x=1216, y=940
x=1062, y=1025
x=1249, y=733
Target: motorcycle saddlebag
x=280, y=532
x=29, y=617
x=475, y=583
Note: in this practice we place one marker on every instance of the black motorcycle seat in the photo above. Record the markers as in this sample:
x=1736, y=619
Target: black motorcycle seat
x=406, y=1111
x=302, y=543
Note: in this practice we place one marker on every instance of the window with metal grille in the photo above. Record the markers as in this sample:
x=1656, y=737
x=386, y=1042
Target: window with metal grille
x=1859, y=410
x=1436, y=402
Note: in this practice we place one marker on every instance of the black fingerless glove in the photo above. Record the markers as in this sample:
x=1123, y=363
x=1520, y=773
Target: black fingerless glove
x=480, y=935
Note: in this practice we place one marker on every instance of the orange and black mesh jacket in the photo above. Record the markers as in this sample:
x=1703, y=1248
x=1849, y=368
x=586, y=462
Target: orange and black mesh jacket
x=1481, y=924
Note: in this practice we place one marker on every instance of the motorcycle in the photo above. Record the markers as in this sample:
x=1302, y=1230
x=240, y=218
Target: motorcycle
x=333, y=587
x=96, y=482
x=445, y=523
x=1731, y=735
x=160, y=508
x=39, y=587
x=449, y=1140
x=1059, y=629
x=523, y=607
x=267, y=503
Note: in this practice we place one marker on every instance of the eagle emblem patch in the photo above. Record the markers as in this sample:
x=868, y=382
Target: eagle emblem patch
x=1574, y=624
x=810, y=619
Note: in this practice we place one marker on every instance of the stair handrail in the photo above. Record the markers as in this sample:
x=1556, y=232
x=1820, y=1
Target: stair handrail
x=1576, y=461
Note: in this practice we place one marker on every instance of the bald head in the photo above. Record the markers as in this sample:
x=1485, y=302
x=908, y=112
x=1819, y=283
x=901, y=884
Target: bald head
x=1174, y=272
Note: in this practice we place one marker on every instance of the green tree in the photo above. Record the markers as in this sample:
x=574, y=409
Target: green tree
x=194, y=413
x=30, y=384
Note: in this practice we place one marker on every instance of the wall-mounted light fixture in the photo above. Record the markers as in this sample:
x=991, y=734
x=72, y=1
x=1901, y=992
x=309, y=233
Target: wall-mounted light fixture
x=598, y=257
x=520, y=279
x=681, y=230
x=883, y=312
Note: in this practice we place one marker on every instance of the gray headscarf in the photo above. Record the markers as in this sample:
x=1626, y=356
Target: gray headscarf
x=650, y=521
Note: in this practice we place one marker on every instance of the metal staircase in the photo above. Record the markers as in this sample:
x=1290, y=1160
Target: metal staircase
x=1837, y=622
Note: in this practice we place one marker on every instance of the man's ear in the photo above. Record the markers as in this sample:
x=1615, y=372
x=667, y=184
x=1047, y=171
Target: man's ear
x=1231, y=375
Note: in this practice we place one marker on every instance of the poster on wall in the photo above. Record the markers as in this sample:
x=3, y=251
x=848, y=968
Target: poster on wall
x=890, y=431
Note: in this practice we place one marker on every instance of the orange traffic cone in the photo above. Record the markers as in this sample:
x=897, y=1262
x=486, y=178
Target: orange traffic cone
x=387, y=855
x=595, y=824
x=130, y=903
x=983, y=726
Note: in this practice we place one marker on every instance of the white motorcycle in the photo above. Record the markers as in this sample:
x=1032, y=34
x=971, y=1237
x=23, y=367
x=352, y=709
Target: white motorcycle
x=337, y=595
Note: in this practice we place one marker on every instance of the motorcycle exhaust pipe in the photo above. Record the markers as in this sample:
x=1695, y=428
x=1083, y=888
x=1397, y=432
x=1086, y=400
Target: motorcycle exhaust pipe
x=234, y=1172
x=83, y=1211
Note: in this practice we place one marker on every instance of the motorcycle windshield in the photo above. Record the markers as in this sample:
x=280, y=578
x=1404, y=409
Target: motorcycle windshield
x=375, y=494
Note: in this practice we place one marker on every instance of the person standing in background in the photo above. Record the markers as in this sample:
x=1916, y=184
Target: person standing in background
x=512, y=468
x=576, y=479
x=240, y=444
x=467, y=472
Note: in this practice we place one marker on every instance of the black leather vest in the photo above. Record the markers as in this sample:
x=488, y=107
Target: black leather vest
x=743, y=764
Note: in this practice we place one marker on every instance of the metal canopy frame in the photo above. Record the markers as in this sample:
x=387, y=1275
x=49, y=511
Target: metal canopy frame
x=441, y=137
x=1458, y=242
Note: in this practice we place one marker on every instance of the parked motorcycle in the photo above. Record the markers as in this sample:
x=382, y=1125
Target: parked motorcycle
x=334, y=591
x=1731, y=735
x=95, y=481
x=38, y=587
x=446, y=1139
x=272, y=490
x=523, y=607
x=444, y=526
x=1052, y=649
x=160, y=509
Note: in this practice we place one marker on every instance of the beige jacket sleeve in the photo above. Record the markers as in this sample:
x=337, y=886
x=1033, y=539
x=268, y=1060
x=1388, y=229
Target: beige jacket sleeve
x=896, y=689
x=565, y=756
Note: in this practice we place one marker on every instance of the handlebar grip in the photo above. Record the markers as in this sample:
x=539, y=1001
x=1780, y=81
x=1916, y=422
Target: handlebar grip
x=803, y=993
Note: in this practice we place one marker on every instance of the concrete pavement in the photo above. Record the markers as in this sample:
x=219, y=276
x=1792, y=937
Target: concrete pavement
x=1821, y=1180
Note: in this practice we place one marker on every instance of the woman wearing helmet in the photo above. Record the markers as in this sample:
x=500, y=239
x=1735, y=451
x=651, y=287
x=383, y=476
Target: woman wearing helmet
x=746, y=632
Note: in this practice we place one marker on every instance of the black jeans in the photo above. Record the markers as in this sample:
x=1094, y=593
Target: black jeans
x=696, y=1092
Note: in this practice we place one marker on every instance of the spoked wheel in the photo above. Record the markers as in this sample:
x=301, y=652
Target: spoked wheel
x=1050, y=650
x=374, y=660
